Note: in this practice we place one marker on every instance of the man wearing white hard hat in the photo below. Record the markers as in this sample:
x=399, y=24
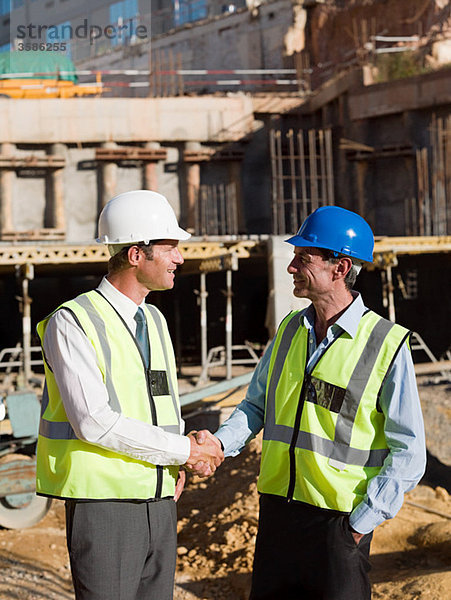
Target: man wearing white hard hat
x=111, y=435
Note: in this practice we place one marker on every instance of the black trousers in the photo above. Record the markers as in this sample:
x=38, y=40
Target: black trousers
x=307, y=553
x=122, y=550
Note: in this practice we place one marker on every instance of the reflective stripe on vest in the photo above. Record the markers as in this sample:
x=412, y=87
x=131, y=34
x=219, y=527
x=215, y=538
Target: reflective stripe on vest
x=323, y=437
x=68, y=467
x=157, y=320
x=62, y=430
x=338, y=450
x=55, y=430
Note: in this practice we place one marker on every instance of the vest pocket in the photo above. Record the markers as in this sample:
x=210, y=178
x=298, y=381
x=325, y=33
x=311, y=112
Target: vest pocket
x=159, y=383
x=324, y=394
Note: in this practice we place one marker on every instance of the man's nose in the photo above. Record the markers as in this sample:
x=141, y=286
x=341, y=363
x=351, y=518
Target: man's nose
x=178, y=258
x=291, y=268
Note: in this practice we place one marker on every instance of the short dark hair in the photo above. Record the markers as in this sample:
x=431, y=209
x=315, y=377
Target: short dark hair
x=120, y=260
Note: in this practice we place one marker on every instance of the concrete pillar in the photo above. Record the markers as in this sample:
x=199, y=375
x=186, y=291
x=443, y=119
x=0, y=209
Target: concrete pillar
x=388, y=289
x=108, y=177
x=203, y=295
x=192, y=187
x=27, y=274
x=56, y=212
x=281, y=299
x=150, y=170
x=228, y=322
x=7, y=177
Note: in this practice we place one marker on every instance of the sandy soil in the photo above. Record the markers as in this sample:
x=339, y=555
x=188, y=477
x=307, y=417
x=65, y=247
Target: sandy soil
x=411, y=555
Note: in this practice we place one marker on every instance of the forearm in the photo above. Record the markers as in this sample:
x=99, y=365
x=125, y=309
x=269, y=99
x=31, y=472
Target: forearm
x=86, y=402
x=248, y=417
x=242, y=425
x=96, y=423
x=404, y=434
x=146, y=442
x=384, y=498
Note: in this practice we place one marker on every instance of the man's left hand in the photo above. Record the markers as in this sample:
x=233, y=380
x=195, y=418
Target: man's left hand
x=356, y=535
x=180, y=484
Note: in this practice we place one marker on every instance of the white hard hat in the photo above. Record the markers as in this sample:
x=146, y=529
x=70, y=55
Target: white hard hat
x=138, y=216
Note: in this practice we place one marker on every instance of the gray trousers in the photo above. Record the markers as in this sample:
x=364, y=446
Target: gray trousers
x=122, y=550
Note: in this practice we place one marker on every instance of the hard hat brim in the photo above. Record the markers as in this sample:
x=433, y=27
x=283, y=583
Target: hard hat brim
x=178, y=234
x=300, y=242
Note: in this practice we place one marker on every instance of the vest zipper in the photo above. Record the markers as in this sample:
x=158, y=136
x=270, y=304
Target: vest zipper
x=291, y=450
x=297, y=423
x=153, y=412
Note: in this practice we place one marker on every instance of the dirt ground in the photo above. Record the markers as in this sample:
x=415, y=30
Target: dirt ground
x=411, y=555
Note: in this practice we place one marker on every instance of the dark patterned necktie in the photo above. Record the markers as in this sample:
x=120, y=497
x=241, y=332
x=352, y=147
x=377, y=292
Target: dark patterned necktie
x=141, y=334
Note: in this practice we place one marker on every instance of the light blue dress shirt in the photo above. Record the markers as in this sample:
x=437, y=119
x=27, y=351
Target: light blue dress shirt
x=399, y=401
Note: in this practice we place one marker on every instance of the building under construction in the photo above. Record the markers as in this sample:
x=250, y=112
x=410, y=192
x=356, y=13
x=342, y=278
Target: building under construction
x=242, y=170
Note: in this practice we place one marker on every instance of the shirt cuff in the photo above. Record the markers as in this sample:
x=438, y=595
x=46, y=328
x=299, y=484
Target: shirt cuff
x=183, y=449
x=364, y=520
x=226, y=442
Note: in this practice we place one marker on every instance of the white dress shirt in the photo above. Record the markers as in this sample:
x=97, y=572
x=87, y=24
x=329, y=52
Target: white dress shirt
x=73, y=361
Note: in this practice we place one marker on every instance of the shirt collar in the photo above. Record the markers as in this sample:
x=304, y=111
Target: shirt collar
x=348, y=321
x=122, y=303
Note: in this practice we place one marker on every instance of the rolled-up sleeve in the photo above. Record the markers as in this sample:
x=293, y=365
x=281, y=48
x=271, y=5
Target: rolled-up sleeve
x=404, y=434
x=247, y=419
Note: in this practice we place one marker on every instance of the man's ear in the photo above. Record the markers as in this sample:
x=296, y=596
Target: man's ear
x=342, y=267
x=133, y=255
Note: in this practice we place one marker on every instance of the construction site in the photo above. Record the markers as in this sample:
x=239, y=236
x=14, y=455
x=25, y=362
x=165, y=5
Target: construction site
x=247, y=116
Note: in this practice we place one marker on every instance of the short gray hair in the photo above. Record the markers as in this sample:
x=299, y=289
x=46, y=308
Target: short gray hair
x=351, y=276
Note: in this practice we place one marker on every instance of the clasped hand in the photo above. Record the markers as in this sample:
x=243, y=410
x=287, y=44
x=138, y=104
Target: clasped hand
x=206, y=453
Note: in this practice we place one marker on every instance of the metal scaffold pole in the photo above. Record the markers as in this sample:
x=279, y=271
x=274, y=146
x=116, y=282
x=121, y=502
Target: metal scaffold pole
x=26, y=274
x=203, y=317
x=228, y=324
x=388, y=297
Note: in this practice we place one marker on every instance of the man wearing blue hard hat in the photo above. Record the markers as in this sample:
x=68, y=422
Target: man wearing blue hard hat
x=343, y=438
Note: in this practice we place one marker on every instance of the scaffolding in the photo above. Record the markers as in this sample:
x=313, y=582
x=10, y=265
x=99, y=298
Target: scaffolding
x=302, y=175
x=216, y=210
x=430, y=215
x=201, y=257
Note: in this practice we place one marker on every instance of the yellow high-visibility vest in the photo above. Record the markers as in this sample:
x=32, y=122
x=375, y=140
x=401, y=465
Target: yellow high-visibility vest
x=323, y=436
x=68, y=467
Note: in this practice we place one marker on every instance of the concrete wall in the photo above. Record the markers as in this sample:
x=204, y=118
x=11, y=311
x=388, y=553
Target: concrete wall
x=80, y=196
x=246, y=39
x=87, y=120
x=81, y=126
x=399, y=96
x=377, y=131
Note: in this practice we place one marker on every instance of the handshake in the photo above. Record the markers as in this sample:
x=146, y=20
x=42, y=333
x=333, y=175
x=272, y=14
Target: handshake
x=206, y=453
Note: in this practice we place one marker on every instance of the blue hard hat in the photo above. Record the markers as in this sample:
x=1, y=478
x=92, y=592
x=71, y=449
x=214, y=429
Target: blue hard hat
x=337, y=229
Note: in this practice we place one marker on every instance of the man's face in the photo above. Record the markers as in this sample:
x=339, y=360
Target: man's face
x=312, y=274
x=158, y=273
